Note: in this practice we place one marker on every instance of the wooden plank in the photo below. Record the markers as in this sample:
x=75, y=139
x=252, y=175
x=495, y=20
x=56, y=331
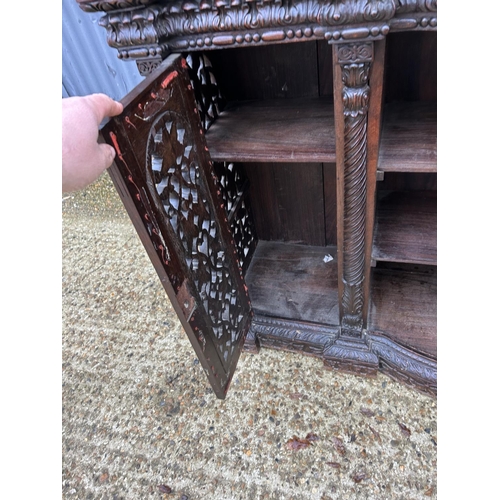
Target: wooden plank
x=325, y=68
x=409, y=137
x=263, y=201
x=403, y=307
x=411, y=66
x=406, y=228
x=267, y=71
x=277, y=130
x=287, y=201
x=330, y=196
x=293, y=282
x=373, y=144
x=299, y=193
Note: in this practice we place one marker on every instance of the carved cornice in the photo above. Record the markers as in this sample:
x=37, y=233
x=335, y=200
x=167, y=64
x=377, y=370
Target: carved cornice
x=208, y=24
x=108, y=5
x=148, y=29
x=404, y=6
x=135, y=33
x=176, y=6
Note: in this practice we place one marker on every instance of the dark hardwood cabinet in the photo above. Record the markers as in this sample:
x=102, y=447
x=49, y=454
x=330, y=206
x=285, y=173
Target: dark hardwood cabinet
x=279, y=164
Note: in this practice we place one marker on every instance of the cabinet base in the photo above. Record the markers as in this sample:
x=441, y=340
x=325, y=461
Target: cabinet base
x=365, y=357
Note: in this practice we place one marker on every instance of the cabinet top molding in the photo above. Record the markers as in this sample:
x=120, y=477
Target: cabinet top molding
x=147, y=30
x=391, y=6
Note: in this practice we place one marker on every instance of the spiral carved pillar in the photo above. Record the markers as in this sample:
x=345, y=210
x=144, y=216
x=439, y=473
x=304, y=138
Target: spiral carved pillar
x=353, y=64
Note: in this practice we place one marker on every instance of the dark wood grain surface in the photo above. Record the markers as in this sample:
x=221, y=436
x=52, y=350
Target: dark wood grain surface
x=403, y=307
x=406, y=228
x=293, y=282
x=285, y=130
x=270, y=71
x=411, y=66
x=408, y=141
x=287, y=201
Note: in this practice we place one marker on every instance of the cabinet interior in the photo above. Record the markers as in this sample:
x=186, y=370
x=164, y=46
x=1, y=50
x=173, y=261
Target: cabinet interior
x=277, y=125
x=404, y=252
x=277, y=129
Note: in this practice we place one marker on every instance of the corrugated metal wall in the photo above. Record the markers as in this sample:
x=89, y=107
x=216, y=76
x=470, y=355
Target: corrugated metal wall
x=89, y=65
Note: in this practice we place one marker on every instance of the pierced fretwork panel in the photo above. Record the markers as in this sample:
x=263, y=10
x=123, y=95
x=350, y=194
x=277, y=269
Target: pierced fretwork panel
x=245, y=236
x=172, y=162
x=166, y=179
x=209, y=100
x=234, y=190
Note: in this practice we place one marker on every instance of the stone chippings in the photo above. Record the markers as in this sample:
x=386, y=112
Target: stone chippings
x=140, y=420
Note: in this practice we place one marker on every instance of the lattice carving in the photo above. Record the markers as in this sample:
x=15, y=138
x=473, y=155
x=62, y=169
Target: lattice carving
x=172, y=165
x=355, y=66
x=233, y=186
x=166, y=180
x=208, y=96
x=171, y=159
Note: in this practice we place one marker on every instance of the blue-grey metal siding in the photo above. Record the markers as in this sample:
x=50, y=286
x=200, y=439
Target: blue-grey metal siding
x=89, y=65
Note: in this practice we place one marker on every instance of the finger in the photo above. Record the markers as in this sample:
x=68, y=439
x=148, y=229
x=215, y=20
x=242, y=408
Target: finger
x=104, y=106
x=106, y=155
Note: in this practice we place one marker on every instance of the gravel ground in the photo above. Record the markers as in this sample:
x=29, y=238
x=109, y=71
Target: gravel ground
x=140, y=421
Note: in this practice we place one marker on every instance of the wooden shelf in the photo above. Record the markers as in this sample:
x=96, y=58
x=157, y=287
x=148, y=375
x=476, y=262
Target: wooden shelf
x=406, y=227
x=293, y=282
x=403, y=307
x=408, y=140
x=277, y=130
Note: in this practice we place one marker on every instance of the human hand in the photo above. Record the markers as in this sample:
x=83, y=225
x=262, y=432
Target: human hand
x=83, y=158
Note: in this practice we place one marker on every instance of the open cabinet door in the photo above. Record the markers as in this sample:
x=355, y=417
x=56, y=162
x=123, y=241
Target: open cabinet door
x=165, y=178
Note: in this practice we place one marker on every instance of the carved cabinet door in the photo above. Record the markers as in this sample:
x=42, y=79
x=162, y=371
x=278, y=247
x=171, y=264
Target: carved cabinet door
x=166, y=180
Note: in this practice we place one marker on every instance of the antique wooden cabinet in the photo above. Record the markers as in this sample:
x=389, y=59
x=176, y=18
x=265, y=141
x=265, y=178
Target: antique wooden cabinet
x=279, y=165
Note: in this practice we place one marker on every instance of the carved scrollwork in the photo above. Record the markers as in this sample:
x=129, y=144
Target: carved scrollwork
x=351, y=355
x=146, y=66
x=416, y=6
x=416, y=370
x=107, y=5
x=355, y=52
x=262, y=21
x=293, y=335
x=132, y=27
x=137, y=27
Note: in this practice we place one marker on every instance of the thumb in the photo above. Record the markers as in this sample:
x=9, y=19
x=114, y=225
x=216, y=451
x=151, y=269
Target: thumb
x=106, y=155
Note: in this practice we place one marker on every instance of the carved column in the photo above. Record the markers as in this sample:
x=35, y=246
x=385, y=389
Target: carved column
x=352, y=67
x=354, y=64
